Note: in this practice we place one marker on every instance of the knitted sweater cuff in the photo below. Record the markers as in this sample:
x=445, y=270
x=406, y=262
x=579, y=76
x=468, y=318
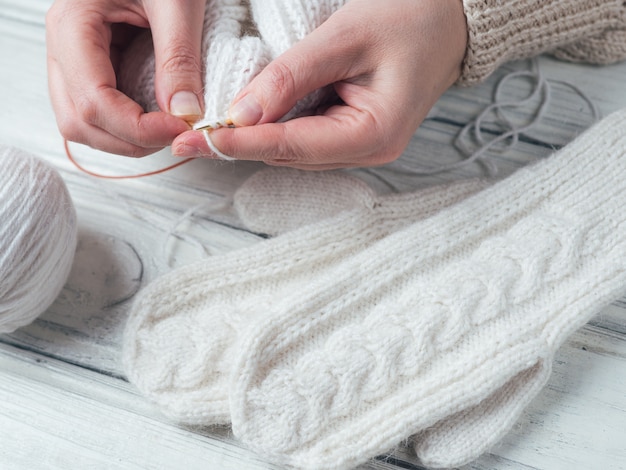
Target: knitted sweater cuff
x=503, y=30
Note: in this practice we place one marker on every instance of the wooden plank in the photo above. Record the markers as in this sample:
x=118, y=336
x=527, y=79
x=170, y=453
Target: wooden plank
x=63, y=398
x=64, y=416
x=64, y=411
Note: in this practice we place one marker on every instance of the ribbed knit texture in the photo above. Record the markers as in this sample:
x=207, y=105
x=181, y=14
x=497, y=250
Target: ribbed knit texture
x=37, y=237
x=437, y=317
x=183, y=330
x=231, y=61
x=503, y=30
x=467, y=434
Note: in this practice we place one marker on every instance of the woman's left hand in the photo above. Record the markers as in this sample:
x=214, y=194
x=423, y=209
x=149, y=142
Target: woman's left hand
x=388, y=65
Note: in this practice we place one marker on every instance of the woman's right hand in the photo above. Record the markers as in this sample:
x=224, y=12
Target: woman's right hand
x=84, y=41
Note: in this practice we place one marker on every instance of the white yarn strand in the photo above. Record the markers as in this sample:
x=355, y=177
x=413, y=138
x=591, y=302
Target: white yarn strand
x=214, y=149
x=542, y=90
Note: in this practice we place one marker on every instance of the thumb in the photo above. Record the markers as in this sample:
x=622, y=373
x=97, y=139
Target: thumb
x=177, y=36
x=318, y=60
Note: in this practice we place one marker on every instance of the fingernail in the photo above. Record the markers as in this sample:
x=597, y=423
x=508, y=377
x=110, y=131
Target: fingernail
x=246, y=112
x=185, y=104
x=189, y=151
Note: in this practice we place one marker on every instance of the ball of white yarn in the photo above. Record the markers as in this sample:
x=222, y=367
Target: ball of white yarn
x=38, y=234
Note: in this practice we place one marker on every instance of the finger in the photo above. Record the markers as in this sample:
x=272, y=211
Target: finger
x=177, y=35
x=193, y=144
x=76, y=130
x=89, y=80
x=342, y=137
x=321, y=58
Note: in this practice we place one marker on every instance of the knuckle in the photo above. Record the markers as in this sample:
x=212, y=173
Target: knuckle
x=281, y=80
x=51, y=16
x=69, y=129
x=180, y=58
x=136, y=152
x=54, y=14
x=86, y=108
x=141, y=137
x=284, y=153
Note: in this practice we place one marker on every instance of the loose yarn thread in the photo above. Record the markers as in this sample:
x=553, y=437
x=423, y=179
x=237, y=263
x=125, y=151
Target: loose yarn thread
x=152, y=218
x=95, y=174
x=512, y=133
x=214, y=149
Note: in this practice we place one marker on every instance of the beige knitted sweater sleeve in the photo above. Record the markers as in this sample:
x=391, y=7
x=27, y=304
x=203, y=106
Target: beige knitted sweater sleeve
x=577, y=30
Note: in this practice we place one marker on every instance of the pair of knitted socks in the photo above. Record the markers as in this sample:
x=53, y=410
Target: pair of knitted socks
x=434, y=315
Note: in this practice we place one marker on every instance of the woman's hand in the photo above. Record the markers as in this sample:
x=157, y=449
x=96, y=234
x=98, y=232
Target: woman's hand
x=84, y=40
x=388, y=63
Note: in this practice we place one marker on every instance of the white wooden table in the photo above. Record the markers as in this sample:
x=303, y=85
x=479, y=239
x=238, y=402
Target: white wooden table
x=64, y=401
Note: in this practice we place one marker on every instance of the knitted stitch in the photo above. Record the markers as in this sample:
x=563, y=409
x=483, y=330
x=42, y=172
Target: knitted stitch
x=606, y=48
x=437, y=317
x=183, y=330
x=503, y=30
x=283, y=23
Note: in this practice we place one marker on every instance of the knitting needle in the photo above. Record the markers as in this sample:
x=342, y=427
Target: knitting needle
x=217, y=125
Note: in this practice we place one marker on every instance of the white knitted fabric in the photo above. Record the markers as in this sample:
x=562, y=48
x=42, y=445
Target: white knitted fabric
x=438, y=317
x=37, y=237
x=467, y=434
x=232, y=58
x=232, y=61
x=183, y=329
x=282, y=23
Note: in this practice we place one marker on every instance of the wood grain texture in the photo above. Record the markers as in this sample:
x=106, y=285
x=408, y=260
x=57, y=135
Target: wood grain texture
x=64, y=401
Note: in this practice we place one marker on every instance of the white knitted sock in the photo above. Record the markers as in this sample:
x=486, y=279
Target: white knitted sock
x=278, y=200
x=182, y=333
x=466, y=435
x=437, y=317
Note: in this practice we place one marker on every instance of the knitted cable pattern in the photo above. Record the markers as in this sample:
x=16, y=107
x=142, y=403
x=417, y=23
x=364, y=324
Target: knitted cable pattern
x=183, y=330
x=435, y=318
x=499, y=31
